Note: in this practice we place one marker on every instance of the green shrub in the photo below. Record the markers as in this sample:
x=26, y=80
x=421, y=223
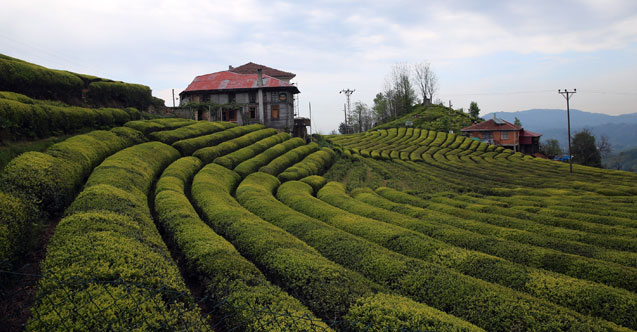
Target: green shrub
x=253, y=164
x=109, y=239
x=193, y=130
x=582, y=296
x=326, y=288
x=227, y=277
x=383, y=312
x=38, y=82
x=289, y=158
x=315, y=181
x=119, y=94
x=487, y=305
x=233, y=159
x=149, y=126
x=209, y=154
x=313, y=164
x=188, y=146
x=14, y=216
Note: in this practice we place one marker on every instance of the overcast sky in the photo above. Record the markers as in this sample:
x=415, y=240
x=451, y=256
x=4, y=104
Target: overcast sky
x=505, y=55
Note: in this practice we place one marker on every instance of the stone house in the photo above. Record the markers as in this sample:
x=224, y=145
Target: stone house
x=246, y=94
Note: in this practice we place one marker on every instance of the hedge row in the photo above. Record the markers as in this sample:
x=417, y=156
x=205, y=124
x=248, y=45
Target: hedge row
x=253, y=164
x=225, y=276
x=119, y=93
x=231, y=160
x=38, y=82
x=510, y=224
x=616, y=305
x=571, y=265
x=314, y=164
x=289, y=158
x=489, y=306
x=326, y=288
x=149, y=126
x=40, y=185
x=196, y=129
x=20, y=120
x=256, y=194
x=107, y=256
x=188, y=146
x=209, y=154
x=44, y=83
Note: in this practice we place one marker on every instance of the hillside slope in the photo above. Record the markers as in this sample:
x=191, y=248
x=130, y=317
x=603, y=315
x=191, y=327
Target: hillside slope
x=434, y=117
x=400, y=228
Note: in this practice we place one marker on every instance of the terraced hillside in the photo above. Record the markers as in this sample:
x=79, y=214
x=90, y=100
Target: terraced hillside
x=180, y=225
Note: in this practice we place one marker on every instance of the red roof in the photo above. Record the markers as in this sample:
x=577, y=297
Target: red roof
x=226, y=80
x=251, y=68
x=493, y=125
x=528, y=133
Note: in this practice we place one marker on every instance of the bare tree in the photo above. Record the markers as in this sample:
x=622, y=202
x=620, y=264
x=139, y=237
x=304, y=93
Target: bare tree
x=426, y=81
x=604, y=147
x=404, y=94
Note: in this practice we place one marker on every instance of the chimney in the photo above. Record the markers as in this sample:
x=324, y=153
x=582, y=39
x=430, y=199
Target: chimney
x=259, y=78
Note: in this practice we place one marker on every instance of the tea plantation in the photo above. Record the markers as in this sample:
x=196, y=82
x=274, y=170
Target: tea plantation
x=178, y=225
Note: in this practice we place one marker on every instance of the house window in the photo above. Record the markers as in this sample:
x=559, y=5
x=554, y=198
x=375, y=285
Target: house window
x=253, y=97
x=487, y=135
x=504, y=135
x=274, y=112
x=253, y=112
x=274, y=96
x=206, y=98
x=232, y=98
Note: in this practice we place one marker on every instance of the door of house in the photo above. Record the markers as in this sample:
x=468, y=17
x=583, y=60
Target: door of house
x=229, y=115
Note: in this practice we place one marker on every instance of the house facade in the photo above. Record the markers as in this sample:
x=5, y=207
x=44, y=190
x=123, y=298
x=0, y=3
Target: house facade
x=502, y=133
x=244, y=98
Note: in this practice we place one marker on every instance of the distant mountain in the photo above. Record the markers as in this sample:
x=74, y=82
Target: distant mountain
x=621, y=130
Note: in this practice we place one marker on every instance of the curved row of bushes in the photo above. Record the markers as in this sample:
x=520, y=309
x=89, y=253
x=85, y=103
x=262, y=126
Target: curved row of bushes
x=517, y=224
x=209, y=154
x=491, y=220
x=248, y=301
x=231, y=160
x=253, y=164
x=150, y=126
x=616, y=305
x=188, y=146
x=483, y=304
x=314, y=164
x=572, y=265
x=326, y=288
x=107, y=258
x=40, y=185
x=196, y=129
x=20, y=120
x=289, y=158
x=77, y=89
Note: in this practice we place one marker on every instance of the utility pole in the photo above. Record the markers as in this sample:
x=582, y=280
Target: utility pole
x=450, y=113
x=348, y=94
x=173, y=98
x=310, y=106
x=568, y=94
x=345, y=112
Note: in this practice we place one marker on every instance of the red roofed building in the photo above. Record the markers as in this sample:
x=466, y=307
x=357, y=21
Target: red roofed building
x=500, y=132
x=241, y=96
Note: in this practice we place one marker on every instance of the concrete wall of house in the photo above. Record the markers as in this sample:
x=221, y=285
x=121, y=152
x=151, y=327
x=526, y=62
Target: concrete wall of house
x=270, y=98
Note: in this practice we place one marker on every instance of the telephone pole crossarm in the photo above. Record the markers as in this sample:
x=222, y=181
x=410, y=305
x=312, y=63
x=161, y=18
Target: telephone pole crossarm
x=348, y=94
